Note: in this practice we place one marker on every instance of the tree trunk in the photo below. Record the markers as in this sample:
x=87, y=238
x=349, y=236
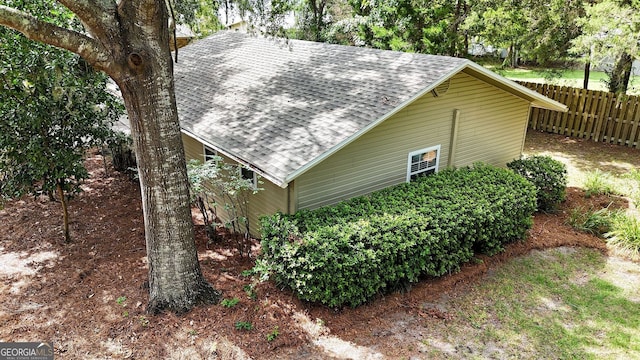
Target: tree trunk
x=620, y=74
x=65, y=212
x=129, y=40
x=587, y=72
x=175, y=279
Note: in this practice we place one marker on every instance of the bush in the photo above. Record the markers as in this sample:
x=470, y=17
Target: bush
x=347, y=253
x=120, y=146
x=549, y=176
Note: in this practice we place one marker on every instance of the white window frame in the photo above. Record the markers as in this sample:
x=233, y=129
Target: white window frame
x=428, y=168
x=206, y=149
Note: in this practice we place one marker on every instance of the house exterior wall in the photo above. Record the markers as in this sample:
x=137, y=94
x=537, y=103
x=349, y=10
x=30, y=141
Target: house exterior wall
x=266, y=202
x=491, y=128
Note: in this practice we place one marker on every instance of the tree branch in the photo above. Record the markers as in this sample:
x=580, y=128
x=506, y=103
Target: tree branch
x=47, y=33
x=97, y=16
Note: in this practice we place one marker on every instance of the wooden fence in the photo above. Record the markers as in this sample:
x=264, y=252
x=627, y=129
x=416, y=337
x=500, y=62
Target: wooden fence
x=596, y=115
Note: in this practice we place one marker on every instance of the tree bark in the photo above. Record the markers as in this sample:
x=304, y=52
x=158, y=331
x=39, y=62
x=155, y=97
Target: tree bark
x=65, y=211
x=587, y=72
x=620, y=74
x=130, y=42
x=175, y=278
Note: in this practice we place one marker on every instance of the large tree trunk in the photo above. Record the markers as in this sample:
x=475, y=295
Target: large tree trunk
x=175, y=278
x=620, y=74
x=130, y=42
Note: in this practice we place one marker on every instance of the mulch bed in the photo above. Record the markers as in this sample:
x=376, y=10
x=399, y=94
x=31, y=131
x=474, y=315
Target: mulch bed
x=72, y=299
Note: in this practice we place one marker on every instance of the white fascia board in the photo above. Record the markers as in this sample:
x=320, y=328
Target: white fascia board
x=546, y=102
x=235, y=158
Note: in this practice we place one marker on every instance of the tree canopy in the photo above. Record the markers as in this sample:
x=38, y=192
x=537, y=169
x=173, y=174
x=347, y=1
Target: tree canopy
x=53, y=107
x=611, y=33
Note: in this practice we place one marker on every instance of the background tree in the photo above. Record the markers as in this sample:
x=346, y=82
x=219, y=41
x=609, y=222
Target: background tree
x=501, y=23
x=611, y=32
x=551, y=26
x=53, y=107
x=129, y=40
x=412, y=25
x=312, y=19
x=538, y=32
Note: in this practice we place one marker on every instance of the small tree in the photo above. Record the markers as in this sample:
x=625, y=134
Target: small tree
x=200, y=174
x=53, y=107
x=216, y=184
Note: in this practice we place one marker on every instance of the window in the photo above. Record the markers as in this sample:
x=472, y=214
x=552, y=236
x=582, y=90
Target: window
x=423, y=162
x=209, y=153
x=249, y=175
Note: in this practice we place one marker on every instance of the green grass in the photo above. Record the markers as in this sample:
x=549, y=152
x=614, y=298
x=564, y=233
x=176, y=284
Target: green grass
x=595, y=222
x=554, y=304
x=568, y=77
x=599, y=183
x=625, y=235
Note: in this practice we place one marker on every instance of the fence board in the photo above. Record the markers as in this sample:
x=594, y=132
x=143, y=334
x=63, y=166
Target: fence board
x=565, y=115
x=626, y=127
x=619, y=120
x=633, y=137
x=584, y=120
x=561, y=97
x=603, y=115
x=595, y=115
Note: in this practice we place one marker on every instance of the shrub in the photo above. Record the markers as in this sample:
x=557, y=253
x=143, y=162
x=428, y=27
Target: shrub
x=120, y=146
x=549, y=176
x=347, y=253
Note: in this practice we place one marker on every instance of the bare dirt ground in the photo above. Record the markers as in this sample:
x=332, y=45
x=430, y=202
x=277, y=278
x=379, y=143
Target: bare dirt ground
x=88, y=296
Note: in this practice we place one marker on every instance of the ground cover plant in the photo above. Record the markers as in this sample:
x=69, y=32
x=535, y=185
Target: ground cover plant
x=347, y=253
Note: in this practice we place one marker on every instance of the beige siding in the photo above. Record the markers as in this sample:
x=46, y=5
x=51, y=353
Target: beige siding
x=268, y=201
x=491, y=129
x=193, y=149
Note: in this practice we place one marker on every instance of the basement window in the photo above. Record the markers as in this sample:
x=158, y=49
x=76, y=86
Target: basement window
x=209, y=153
x=423, y=162
x=248, y=174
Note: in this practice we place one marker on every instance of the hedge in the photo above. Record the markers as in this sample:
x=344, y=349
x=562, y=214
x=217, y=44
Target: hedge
x=347, y=253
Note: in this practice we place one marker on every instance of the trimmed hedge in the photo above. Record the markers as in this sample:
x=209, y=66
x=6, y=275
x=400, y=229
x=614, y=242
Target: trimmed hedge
x=347, y=253
x=548, y=175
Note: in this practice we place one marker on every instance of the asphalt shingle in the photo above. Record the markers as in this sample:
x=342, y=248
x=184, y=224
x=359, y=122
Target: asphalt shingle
x=278, y=105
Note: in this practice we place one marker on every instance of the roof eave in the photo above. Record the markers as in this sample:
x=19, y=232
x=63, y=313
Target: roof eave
x=237, y=159
x=372, y=125
x=536, y=99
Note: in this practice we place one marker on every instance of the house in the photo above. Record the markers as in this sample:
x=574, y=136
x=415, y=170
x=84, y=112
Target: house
x=319, y=123
x=184, y=36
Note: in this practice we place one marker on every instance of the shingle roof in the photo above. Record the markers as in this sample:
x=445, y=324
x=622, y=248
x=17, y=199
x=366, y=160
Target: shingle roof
x=278, y=106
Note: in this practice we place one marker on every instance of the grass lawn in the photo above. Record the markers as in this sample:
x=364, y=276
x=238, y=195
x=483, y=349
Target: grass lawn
x=564, y=304
x=567, y=77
